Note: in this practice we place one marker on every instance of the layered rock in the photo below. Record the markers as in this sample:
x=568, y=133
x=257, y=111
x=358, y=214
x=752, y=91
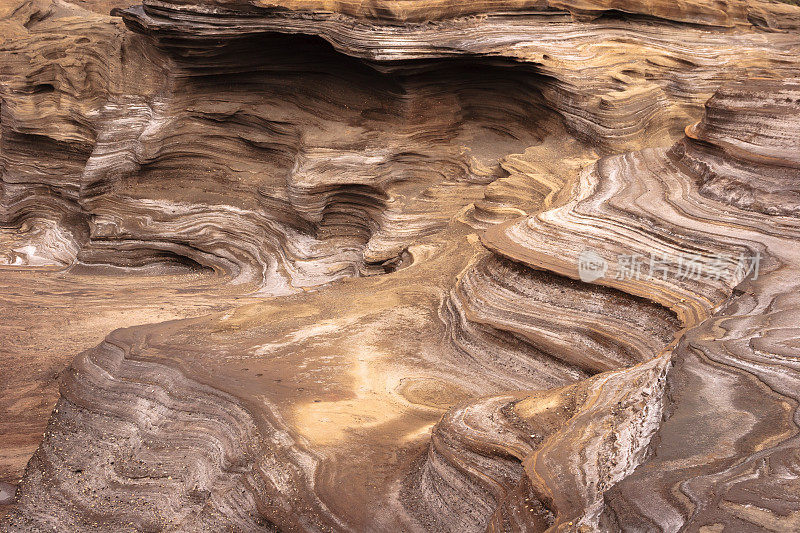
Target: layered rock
x=611, y=78
x=745, y=479
x=139, y=111
x=734, y=166
x=646, y=203
x=626, y=339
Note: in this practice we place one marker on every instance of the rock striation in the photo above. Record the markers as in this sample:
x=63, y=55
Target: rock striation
x=400, y=266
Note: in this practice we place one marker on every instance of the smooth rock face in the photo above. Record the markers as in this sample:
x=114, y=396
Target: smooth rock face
x=519, y=265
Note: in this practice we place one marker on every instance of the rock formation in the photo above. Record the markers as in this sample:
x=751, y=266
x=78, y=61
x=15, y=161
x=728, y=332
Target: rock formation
x=520, y=265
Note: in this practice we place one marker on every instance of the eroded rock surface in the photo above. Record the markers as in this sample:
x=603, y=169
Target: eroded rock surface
x=321, y=266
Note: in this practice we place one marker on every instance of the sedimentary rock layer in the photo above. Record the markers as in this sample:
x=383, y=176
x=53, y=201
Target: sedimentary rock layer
x=725, y=381
x=506, y=271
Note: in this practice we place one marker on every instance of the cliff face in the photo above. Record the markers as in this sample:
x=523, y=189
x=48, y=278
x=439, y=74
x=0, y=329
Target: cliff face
x=379, y=266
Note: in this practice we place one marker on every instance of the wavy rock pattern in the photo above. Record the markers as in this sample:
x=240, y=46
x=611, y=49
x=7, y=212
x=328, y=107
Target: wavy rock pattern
x=378, y=216
x=616, y=200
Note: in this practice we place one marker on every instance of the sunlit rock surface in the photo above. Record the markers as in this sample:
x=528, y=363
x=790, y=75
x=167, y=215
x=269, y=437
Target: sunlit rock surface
x=518, y=265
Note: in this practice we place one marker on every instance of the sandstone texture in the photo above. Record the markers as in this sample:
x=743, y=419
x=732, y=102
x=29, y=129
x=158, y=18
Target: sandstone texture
x=395, y=265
